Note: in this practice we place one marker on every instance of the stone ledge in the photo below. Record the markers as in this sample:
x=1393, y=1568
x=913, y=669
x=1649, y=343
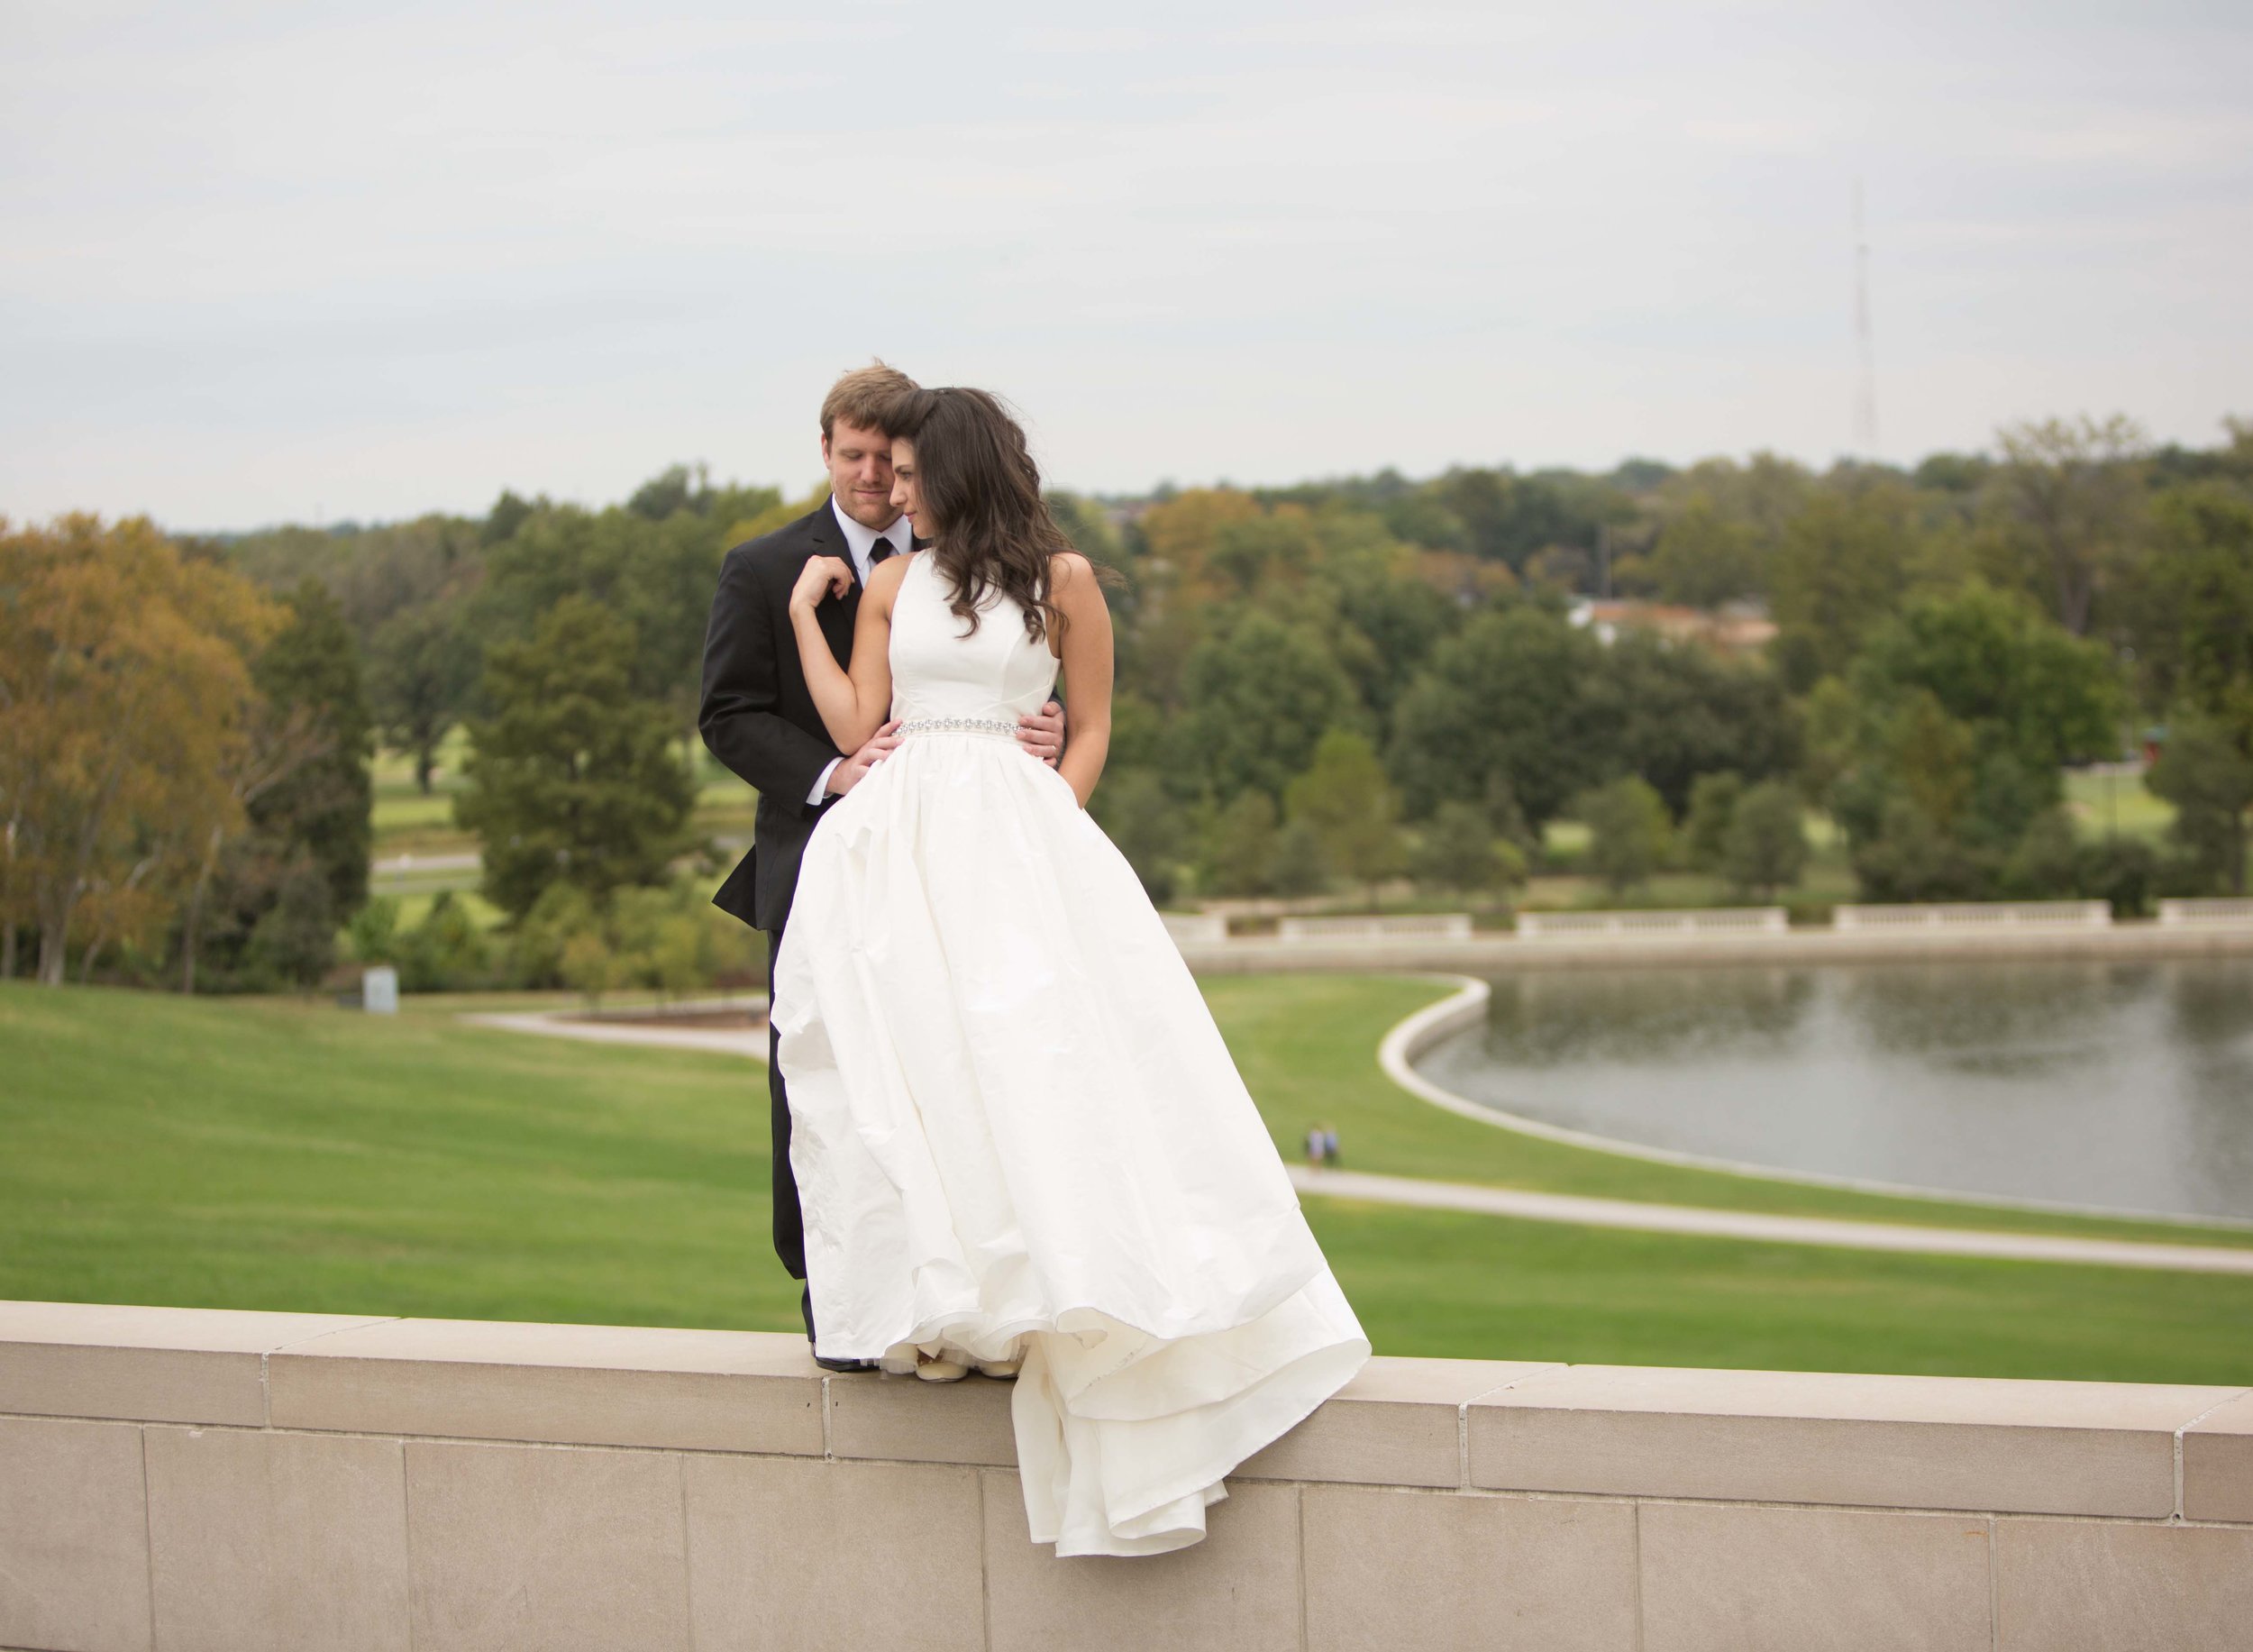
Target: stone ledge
x=1903, y=1442
x=1835, y=1439
x=452, y=1483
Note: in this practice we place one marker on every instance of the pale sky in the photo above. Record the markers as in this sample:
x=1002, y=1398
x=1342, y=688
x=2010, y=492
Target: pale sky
x=266, y=261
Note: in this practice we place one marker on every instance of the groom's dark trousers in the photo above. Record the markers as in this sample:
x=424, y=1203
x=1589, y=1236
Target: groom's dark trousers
x=758, y=717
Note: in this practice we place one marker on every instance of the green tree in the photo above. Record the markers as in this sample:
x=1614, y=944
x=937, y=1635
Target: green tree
x=1671, y=712
x=1628, y=831
x=1259, y=697
x=1764, y=847
x=1843, y=567
x=1459, y=851
x=1713, y=799
x=1301, y=867
x=422, y=664
x=1514, y=694
x=2074, y=498
x=1146, y=825
x=1240, y=845
x=2207, y=776
x=311, y=670
x=572, y=779
x=1705, y=558
x=1346, y=798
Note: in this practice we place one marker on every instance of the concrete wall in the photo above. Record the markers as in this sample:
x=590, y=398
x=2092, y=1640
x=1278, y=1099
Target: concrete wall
x=178, y=1478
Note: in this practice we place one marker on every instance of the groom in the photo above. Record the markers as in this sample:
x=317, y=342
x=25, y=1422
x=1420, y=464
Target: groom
x=758, y=717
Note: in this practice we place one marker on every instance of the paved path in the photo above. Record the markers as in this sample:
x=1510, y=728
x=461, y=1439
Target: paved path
x=1544, y=1207
x=725, y=1041
x=1771, y=1229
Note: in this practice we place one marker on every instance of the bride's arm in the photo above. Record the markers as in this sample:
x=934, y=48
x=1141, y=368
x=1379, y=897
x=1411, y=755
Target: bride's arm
x=852, y=707
x=1086, y=671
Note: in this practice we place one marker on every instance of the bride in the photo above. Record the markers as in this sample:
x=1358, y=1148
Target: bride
x=1020, y=1142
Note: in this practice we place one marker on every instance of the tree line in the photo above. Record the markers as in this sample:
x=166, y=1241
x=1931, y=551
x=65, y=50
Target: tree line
x=1336, y=683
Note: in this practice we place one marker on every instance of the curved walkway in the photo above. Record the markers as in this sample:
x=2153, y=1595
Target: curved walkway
x=1400, y=1046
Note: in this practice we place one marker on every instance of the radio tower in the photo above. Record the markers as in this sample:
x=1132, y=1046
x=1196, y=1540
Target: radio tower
x=1865, y=385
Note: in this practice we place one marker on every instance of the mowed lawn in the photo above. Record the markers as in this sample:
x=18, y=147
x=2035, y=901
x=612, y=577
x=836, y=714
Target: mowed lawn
x=279, y=1155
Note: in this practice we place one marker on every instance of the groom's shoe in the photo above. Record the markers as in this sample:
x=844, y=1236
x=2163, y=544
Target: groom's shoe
x=827, y=1363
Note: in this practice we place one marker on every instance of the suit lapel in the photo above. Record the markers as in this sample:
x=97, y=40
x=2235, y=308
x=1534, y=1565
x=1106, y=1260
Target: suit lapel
x=837, y=616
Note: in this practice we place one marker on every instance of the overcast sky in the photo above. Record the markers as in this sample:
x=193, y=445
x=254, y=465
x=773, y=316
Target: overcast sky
x=264, y=262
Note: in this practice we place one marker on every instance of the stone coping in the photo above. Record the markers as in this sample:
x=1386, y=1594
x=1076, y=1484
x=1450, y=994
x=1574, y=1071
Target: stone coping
x=2139, y=1451
x=1504, y=953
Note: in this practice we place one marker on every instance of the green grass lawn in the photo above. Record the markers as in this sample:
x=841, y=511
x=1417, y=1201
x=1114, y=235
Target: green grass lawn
x=283, y=1154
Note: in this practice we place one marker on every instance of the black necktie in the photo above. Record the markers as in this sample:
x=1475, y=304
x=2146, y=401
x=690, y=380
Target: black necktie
x=878, y=552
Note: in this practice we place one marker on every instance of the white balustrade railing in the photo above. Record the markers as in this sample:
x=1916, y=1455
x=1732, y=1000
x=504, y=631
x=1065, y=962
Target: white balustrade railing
x=2218, y=910
x=1978, y=915
x=1194, y=929
x=1688, y=920
x=1404, y=926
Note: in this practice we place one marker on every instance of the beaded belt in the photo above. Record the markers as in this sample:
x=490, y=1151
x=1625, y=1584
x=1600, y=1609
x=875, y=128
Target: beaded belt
x=959, y=725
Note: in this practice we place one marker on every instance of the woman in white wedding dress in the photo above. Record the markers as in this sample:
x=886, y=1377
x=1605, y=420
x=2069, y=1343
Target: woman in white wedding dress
x=1019, y=1140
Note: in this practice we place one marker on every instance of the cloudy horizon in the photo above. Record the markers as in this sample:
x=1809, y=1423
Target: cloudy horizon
x=296, y=264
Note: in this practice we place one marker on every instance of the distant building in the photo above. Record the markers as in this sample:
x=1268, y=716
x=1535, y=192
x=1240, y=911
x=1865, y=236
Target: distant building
x=1735, y=627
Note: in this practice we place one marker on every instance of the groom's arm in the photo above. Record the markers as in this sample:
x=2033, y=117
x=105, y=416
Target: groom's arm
x=737, y=715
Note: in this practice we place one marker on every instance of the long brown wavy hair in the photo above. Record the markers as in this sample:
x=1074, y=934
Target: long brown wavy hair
x=982, y=491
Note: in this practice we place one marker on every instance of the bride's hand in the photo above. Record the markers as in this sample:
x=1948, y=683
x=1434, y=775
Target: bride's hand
x=822, y=575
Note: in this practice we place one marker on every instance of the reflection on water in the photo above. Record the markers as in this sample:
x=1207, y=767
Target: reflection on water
x=2122, y=1084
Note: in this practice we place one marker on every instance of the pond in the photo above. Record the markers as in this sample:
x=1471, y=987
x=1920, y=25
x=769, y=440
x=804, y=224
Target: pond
x=2127, y=1086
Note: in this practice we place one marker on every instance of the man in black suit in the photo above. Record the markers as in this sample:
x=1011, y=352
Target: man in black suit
x=758, y=717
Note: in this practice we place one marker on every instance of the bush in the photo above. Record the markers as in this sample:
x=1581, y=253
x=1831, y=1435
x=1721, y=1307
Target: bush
x=1459, y=851
x=446, y=951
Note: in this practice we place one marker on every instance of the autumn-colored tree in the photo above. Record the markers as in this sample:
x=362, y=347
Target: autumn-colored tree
x=126, y=697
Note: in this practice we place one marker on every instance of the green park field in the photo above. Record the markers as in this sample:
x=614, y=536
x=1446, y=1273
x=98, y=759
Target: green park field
x=282, y=1153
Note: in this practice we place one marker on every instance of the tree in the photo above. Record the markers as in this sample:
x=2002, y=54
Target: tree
x=1996, y=664
x=325, y=804
x=1260, y=697
x=1705, y=558
x=1628, y=831
x=125, y=692
x=308, y=806
x=1301, y=867
x=1843, y=566
x=1240, y=845
x=422, y=665
x=1132, y=807
x=1344, y=797
x=1673, y=711
x=2072, y=493
x=1513, y=693
x=1713, y=799
x=2207, y=776
x=1458, y=851
x=2194, y=624
x=572, y=779
x=1764, y=848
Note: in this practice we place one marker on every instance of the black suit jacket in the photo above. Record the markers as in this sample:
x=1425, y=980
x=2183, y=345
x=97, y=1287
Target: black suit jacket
x=757, y=715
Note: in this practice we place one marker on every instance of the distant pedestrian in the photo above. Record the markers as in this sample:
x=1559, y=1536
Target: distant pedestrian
x=1318, y=1145
x=1329, y=1146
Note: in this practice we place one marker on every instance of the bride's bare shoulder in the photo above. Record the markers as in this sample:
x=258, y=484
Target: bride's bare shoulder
x=1067, y=568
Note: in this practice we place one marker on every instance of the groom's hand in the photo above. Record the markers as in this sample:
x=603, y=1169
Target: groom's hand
x=1041, y=731
x=847, y=774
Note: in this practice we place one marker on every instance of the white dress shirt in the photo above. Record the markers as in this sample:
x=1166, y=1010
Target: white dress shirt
x=861, y=541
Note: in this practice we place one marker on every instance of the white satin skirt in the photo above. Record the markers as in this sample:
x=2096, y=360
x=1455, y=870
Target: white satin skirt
x=1017, y=1133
